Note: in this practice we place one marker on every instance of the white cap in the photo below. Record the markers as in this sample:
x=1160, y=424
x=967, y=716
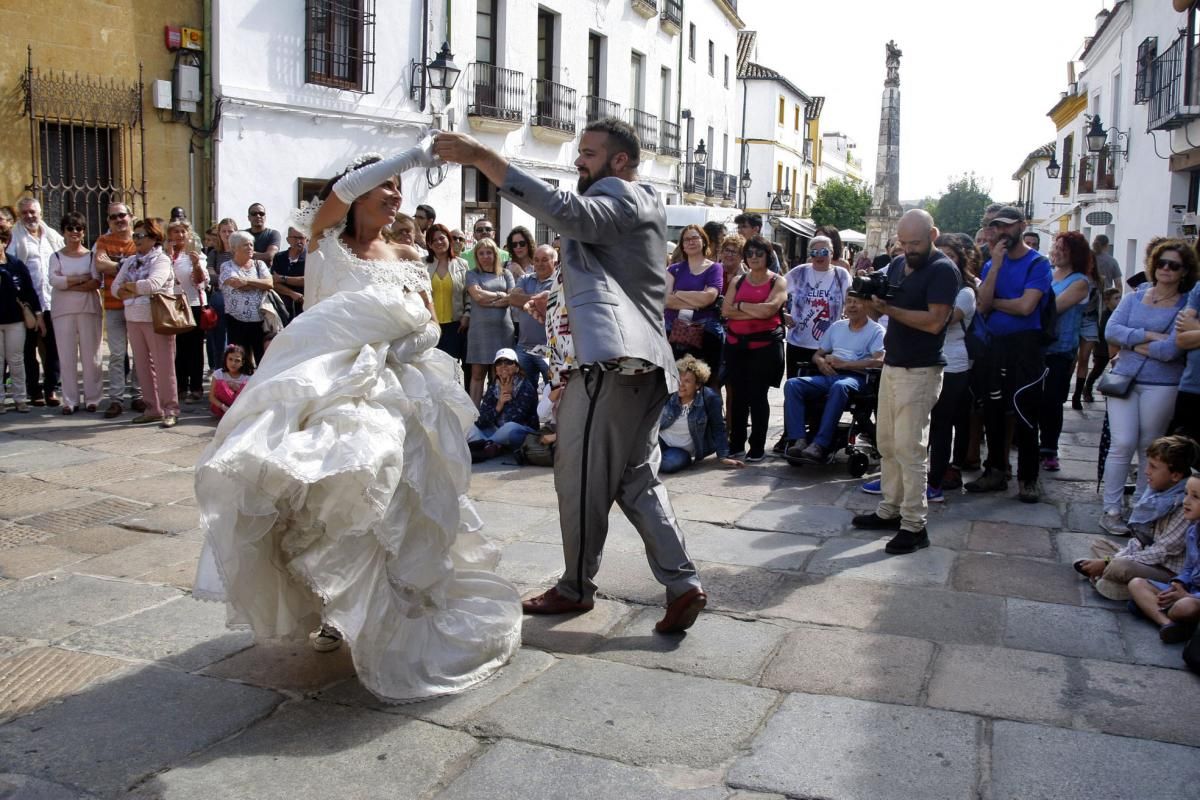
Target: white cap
x=506, y=353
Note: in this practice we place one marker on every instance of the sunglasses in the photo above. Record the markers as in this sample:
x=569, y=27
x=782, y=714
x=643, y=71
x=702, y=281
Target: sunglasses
x=137, y=237
x=755, y=253
x=459, y=238
x=1170, y=265
x=820, y=252
x=519, y=243
x=73, y=228
x=117, y=216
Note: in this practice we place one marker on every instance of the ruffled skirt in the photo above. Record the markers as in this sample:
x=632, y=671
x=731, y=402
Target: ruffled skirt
x=334, y=492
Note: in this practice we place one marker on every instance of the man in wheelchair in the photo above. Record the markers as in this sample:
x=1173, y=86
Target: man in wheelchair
x=852, y=346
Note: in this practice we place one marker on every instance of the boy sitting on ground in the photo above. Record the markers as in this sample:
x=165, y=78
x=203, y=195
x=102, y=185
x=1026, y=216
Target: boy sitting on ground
x=1156, y=548
x=1174, y=605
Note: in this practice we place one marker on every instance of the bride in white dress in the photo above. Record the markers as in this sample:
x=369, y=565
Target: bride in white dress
x=333, y=494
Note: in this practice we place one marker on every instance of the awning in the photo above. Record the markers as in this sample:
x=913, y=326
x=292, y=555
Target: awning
x=851, y=236
x=1052, y=219
x=798, y=226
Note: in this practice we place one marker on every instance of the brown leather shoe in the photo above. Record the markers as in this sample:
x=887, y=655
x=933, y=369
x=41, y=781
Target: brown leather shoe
x=52, y=400
x=551, y=602
x=682, y=612
x=114, y=410
x=138, y=404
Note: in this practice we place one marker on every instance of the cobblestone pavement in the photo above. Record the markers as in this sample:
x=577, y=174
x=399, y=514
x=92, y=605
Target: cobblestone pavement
x=978, y=668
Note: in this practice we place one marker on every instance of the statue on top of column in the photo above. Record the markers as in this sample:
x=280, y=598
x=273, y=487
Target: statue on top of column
x=893, y=64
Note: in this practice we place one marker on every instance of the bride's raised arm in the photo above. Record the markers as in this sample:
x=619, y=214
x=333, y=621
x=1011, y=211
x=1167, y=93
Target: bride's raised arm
x=358, y=180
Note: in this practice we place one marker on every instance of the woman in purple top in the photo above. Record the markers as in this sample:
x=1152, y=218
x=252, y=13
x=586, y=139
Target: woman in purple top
x=694, y=287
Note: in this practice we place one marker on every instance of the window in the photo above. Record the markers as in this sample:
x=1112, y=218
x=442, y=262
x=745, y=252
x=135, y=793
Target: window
x=545, y=45
x=712, y=58
x=779, y=176
x=636, y=80
x=726, y=72
x=1146, y=53
x=485, y=31
x=339, y=38
x=725, y=152
x=796, y=122
x=1114, y=119
x=73, y=159
x=692, y=41
x=664, y=104
x=1064, y=181
x=595, y=64
x=782, y=109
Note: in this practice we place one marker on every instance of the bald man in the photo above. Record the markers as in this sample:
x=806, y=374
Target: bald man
x=532, y=332
x=923, y=283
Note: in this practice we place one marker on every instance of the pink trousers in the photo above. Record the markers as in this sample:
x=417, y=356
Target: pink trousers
x=154, y=358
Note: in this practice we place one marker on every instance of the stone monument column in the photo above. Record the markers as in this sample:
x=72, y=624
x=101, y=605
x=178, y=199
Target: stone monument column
x=885, y=211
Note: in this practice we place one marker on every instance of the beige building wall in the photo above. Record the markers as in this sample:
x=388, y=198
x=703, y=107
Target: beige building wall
x=101, y=40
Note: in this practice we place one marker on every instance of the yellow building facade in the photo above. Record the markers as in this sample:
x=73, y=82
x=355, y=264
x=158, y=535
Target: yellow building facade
x=77, y=129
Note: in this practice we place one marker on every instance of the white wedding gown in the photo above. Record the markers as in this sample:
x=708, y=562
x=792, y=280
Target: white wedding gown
x=334, y=490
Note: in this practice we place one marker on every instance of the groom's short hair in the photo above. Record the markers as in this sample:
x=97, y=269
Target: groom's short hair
x=622, y=138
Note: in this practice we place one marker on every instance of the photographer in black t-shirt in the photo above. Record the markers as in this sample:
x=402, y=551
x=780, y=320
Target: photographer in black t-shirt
x=922, y=286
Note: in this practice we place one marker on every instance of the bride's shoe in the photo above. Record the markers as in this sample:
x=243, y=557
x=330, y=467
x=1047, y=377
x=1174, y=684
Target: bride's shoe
x=325, y=640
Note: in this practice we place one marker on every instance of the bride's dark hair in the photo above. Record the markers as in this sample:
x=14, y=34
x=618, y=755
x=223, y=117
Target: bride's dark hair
x=327, y=190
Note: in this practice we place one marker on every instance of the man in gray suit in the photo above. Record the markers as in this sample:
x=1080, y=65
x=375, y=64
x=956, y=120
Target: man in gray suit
x=614, y=243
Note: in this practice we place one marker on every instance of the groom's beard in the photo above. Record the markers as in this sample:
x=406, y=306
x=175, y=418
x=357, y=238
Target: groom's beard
x=585, y=181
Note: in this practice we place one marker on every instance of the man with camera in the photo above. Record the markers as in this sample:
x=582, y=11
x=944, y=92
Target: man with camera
x=1011, y=290
x=917, y=298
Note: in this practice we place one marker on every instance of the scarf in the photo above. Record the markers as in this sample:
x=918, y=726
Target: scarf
x=1153, y=506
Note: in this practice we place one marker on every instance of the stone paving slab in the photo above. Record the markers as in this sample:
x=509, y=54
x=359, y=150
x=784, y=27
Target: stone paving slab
x=164, y=487
x=185, y=456
x=934, y=614
x=1015, y=540
x=50, y=497
x=626, y=576
x=574, y=633
x=510, y=521
x=286, y=666
x=1016, y=577
x=1142, y=645
x=85, y=741
x=23, y=456
x=1032, y=762
x=35, y=559
x=39, y=675
x=715, y=647
x=994, y=508
x=1138, y=701
x=58, y=606
x=85, y=516
x=186, y=633
x=352, y=752
x=518, y=771
x=98, y=474
x=162, y=519
x=709, y=508
x=792, y=518
x=531, y=563
x=616, y=711
x=751, y=483
x=1066, y=630
x=1073, y=546
x=99, y=540
x=866, y=560
x=1085, y=517
x=836, y=661
x=14, y=486
x=822, y=493
x=835, y=747
x=23, y=787
x=138, y=559
x=763, y=549
x=453, y=711
x=1004, y=683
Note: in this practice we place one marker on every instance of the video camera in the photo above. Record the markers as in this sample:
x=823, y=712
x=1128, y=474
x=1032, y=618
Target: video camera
x=874, y=284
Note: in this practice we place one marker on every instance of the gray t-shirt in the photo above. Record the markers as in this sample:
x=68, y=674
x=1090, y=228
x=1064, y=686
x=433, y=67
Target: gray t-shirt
x=264, y=239
x=1109, y=271
x=842, y=341
x=531, y=333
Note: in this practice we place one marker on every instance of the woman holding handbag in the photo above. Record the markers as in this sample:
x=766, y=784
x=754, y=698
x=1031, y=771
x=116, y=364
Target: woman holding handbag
x=191, y=276
x=1142, y=384
x=78, y=315
x=694, y=285
x=19, y=310
x=143, y=275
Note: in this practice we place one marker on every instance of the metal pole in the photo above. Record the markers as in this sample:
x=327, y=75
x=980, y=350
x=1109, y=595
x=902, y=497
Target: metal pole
x=33, y=159
x=191, y=179
x=142, y=136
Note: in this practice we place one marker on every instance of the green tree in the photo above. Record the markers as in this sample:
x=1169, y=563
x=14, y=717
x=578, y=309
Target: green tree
x=843, y=204
x=960, y=208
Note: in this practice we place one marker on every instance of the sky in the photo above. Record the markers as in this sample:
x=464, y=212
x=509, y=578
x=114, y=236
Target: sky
x=976, y=78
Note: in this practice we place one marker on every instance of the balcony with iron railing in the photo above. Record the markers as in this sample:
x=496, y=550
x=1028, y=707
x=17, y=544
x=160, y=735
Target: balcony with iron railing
x=646, y=126
x=495, y=97
x=595, y=107
x=1086, y=182
x=716, y=185
x=1174, y=97
x=672, y=16
x=1106, y=171
x=668, y=140
x=695, y=179
x=553, y=117
x=647, y=8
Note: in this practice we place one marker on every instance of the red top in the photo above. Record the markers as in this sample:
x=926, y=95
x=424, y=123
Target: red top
x=747, y=292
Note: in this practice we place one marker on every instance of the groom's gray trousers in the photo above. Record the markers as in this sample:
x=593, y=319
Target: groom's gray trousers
x=608, y=451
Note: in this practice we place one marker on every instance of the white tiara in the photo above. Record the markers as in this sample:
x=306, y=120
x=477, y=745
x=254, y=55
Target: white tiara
x=362, y=159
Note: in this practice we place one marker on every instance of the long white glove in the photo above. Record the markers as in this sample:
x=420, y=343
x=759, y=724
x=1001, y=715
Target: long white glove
x=405, y=350
x=362, y=180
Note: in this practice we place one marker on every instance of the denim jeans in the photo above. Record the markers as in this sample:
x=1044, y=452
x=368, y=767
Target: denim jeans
x=836, y=388
x=674, y=459
x=533, y=366
x=510, y=434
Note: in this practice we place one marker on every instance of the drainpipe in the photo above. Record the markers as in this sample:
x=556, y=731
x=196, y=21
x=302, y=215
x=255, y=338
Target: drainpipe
x=679, y=105
x=207, y=123
x=424, y=49
x=745, y=150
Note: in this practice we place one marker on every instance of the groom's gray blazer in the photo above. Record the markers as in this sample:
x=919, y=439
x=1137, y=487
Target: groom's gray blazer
x=613, y=262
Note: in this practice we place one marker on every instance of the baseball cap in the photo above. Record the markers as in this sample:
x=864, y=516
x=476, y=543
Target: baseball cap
x=505, y=354
x=1008, y=216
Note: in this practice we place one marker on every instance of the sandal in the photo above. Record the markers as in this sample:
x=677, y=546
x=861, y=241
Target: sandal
x=1174, y=633
x=1078, y=565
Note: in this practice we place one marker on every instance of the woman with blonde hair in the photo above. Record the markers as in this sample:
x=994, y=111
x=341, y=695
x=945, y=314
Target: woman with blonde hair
x=691, y=426
x=491, y=324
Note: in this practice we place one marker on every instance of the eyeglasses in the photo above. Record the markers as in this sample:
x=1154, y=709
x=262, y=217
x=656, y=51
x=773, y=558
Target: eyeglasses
x=692, y=239
x=118, y=216
x=1170, y=264
x=73, y=228
x=820, y=252
x=459, y=238
x=137, y=237
x=258, y=213
x=755, y=253
x=519, y=243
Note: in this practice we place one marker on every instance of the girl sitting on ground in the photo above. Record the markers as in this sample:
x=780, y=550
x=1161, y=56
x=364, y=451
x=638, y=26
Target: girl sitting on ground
x=227, y=381
x=1174, y=605
x=1156, y=548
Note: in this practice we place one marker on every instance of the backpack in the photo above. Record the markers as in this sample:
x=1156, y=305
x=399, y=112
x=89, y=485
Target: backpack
x=976, y=337
x=1048, y=313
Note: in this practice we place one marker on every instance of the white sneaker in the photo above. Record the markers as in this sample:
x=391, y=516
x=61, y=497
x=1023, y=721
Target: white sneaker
x=1111, y=522
x=325, y=640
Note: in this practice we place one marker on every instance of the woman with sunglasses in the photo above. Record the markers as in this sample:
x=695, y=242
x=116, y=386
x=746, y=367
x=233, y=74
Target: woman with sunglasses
x=1144, y=327
x=78, y=320
x=520, y=247
x=753, y=348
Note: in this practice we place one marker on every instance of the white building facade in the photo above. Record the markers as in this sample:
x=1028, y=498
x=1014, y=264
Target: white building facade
x=307, y=89
x=1038, y=194
x=839, y=159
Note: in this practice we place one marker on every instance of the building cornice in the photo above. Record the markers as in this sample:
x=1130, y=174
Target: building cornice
x=730, y=13
x=771, y=142
x=1109, y=26
x=1067, y=109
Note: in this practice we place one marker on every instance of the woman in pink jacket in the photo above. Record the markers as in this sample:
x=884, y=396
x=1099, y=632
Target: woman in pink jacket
x=146, y=273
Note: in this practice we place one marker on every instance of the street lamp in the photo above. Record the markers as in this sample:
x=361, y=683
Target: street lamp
x=701, y=155
x=780, y=199
x=439, y=74
x=1098, y=136
x=1053, y=170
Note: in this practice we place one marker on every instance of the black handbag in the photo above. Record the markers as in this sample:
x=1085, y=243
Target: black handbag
x=1119, y=386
